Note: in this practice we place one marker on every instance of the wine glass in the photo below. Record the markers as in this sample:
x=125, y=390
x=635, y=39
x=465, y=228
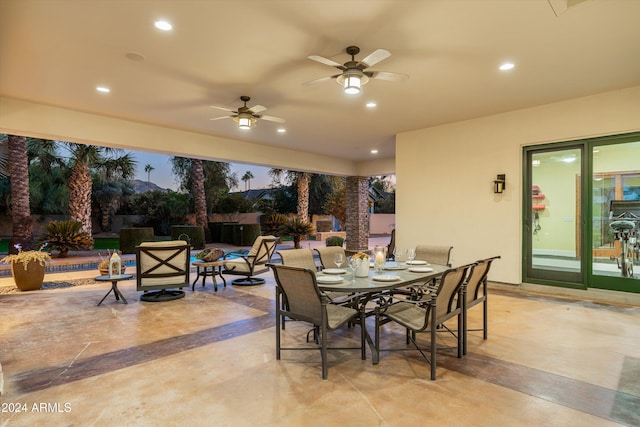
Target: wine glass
x=411, y=254
x=398, y=255
x=338, y=259
x=353, y=263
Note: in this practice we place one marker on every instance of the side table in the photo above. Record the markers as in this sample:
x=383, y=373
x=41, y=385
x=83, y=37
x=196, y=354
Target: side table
x=114, y=285
x=209, y=268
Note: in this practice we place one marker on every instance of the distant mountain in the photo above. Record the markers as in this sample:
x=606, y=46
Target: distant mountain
x=143, y=186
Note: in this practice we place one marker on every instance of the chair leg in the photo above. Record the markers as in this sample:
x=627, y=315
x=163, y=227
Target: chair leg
x=323, y=351
x=362, y=336
x=485, y=317
x=463, y=331
x=278, y=335
x=433, y=343
x=460, y=333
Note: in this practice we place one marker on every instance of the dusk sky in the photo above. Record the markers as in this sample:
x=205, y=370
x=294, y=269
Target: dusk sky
x=162, y=174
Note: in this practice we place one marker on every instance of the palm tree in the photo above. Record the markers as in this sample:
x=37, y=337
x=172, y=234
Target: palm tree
x=112, y=182
x=247, y=177
x=22, y=231
x=148, y=168
x=82, y=158
x=199, y=196
x=301, y=181
x=4, y=156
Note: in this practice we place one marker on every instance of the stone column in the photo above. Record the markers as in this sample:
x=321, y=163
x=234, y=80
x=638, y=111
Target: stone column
x=357, y=203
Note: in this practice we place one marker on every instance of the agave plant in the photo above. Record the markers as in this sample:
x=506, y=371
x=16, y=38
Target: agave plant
x=64, y=236
x=296, y=228
x=273, y=223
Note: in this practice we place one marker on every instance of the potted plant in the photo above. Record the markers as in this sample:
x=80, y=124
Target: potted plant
x=27, y=267
x=360, y=264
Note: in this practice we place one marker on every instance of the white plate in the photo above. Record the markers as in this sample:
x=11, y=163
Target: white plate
x=421, y=269
x=329, y=279
x=417, y=262
x=395, y=267
x=334, y=271
x=385, y=278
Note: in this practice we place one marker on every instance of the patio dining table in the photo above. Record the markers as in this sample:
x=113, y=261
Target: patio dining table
x=375, y=287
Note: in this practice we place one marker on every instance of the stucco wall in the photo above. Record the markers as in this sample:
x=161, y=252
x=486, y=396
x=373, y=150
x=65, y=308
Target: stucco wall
x=444, y=174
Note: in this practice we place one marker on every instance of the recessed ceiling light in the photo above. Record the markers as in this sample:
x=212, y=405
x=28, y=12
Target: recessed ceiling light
x=371, y=104
x=507, y=66
x=103, y=89
x=163, y=25
x=374, y=151
x=281, y=130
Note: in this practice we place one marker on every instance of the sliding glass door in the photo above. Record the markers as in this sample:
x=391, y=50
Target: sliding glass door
x=553, y=219
x=582, y=214
x=616, y=216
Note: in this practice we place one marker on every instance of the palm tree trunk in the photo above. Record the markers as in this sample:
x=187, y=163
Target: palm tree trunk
x=303, y=196
x=199, y=196
x=80, y=195
x=20, y=208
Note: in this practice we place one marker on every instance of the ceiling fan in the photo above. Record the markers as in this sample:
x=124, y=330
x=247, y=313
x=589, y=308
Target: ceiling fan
x=354, y=73
x=246, y=117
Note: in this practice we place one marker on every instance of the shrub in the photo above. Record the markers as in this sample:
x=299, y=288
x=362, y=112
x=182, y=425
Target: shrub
x=334, y=241
x=64, y=236
x=193, y=234
x=133, y=236
x=296, y=228
x=272, y=223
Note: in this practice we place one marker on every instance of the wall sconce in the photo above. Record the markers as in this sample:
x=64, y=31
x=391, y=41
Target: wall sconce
x=499, y=184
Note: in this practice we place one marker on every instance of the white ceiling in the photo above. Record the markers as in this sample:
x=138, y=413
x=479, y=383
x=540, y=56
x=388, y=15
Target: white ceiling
x=57, y=51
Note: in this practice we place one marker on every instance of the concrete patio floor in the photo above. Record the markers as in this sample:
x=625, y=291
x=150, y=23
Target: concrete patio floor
x=209, y=359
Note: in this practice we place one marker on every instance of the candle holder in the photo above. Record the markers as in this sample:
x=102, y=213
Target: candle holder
x=379, y=258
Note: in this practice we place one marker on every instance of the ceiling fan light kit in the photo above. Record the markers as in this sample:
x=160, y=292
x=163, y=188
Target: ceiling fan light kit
x=246, y=117
x=353, y=75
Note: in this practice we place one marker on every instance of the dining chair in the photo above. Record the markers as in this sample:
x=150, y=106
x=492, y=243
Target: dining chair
x=298, y=258
x=305, y=302
x=391, y=247
x=476, y=293
x=435, y=254
x=303, y=258
x=427, y=314
x=327, y=255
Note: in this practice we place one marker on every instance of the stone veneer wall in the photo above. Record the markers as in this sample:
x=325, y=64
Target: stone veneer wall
x=357, y=214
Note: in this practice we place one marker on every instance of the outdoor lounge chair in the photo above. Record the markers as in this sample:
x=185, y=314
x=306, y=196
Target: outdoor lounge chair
x=251, y=263
x=160, y=268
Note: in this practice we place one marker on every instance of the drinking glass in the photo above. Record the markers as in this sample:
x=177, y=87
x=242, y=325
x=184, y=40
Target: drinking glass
x=338, y=259
x=411, y=254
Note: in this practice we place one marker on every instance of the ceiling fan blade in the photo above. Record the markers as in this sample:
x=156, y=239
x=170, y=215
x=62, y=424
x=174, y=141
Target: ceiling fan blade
x=320, y=80
x=272, y=119
x=222, y=107
x=326, y=61
x=223, y=117
x=385, y=75
x=257, y=108
x=375, y=57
